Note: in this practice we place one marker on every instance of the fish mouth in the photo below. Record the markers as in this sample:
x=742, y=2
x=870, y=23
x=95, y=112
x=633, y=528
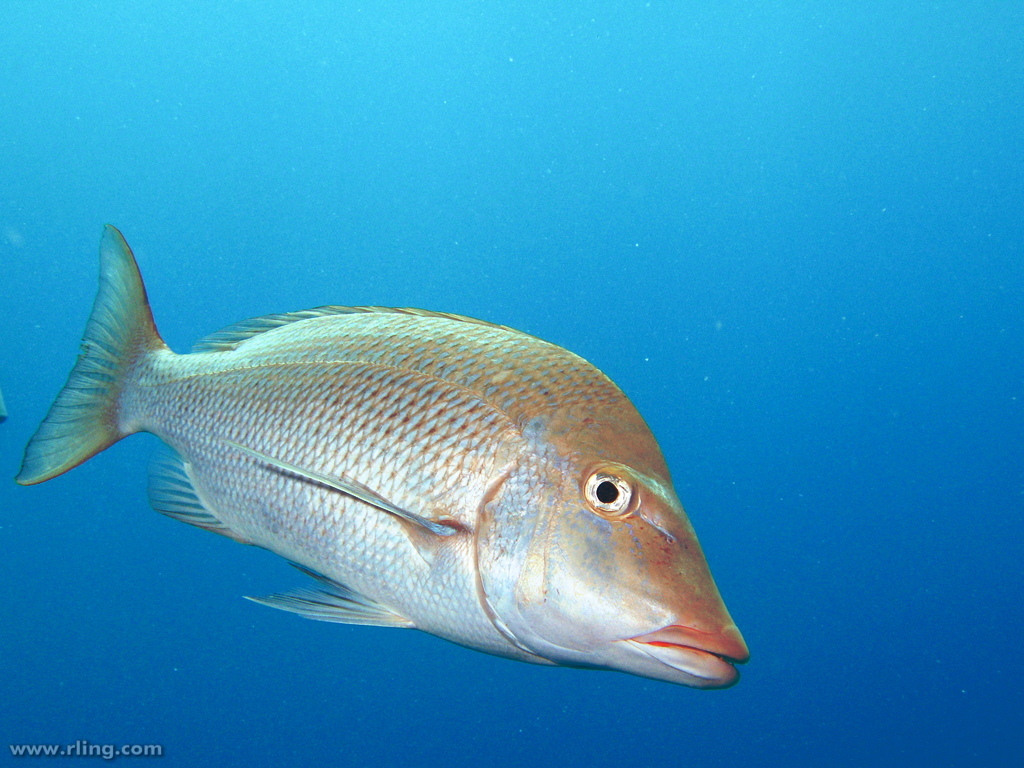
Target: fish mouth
x=707, y=658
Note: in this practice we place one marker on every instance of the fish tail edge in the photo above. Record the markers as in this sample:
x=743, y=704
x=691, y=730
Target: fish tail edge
x=83, y=419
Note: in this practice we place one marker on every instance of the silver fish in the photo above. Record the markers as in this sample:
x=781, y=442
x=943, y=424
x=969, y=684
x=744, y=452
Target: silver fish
x=428, y=470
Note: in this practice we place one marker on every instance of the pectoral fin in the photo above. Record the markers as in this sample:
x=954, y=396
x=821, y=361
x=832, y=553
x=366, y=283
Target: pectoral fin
x=334, y=602
x=354, y=489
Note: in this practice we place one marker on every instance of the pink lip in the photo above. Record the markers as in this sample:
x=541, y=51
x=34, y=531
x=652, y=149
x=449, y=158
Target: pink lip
x=727, y=643
x=707, y=658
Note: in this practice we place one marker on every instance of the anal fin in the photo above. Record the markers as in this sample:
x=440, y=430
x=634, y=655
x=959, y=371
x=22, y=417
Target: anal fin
x=333, y=602
x=172, y=493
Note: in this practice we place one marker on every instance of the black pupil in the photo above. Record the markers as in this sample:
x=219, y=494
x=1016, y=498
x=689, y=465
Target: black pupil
x=607, y=492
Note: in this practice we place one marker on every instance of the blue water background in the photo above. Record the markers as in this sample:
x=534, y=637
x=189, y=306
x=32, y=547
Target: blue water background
x=793, y=232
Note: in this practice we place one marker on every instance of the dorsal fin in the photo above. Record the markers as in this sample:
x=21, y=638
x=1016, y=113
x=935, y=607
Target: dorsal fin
x=233, y=335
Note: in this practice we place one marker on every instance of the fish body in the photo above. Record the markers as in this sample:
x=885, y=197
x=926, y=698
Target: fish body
x=428, y=470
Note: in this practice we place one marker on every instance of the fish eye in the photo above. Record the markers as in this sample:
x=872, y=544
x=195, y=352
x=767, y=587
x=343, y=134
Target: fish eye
x=608, y=495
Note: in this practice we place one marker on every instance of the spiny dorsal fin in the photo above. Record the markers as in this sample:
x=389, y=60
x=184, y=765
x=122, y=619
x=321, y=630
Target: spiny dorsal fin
x=334, y=602
x=230, y=337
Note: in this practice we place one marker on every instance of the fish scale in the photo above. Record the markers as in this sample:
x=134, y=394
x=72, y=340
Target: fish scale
x=427, y=470
x=327, y=531
x=531, y=374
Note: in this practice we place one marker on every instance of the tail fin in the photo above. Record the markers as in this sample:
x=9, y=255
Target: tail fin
x=83, y=419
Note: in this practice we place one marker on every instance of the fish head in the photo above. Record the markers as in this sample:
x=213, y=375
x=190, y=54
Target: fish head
x=589, y=562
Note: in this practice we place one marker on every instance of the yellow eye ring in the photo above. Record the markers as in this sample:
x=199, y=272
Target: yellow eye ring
x=609, y=495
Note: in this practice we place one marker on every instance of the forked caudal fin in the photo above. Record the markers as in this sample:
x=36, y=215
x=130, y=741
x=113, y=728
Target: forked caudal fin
x=83, y=420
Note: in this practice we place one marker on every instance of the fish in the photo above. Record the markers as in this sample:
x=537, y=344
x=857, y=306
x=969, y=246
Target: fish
x=3, y=408
x=427, y=470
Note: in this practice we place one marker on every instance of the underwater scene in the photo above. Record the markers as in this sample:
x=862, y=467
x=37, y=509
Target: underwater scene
x=696, y=437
